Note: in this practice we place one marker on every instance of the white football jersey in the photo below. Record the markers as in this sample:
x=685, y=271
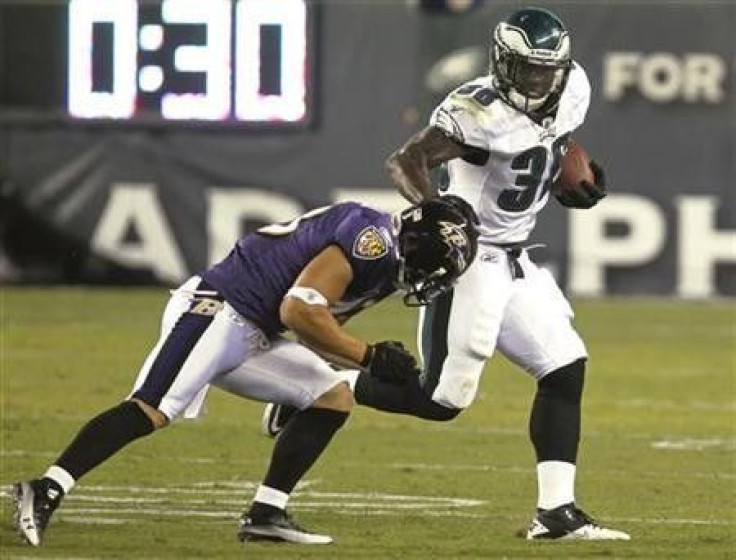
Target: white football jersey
x=512, y=186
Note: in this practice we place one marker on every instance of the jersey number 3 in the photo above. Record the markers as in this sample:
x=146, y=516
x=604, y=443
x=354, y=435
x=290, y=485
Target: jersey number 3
x=530, y=166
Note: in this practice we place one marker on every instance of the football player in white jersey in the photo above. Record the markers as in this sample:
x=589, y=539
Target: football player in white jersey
x=501, y=137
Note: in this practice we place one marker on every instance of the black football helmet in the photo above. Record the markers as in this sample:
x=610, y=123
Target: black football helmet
x=530, y=60
x=437, y=243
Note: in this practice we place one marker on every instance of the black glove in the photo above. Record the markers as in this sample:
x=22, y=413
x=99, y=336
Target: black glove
x=588, y=194
x=389, y=361
x=461, y=205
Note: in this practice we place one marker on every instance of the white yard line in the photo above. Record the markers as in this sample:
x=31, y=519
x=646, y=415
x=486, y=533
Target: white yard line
x=694, y=444
x=151, y=502
x=54, y=454
x=70, y=513
x=663, y=404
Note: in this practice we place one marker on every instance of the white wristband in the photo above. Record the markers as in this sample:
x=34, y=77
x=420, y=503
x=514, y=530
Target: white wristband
x=310, y=296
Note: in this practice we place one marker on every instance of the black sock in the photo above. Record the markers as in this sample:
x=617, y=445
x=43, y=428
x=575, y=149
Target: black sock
x=554, y=425
x=260, y=511
x=408, y=398
x=299, y=445
x=103, y=436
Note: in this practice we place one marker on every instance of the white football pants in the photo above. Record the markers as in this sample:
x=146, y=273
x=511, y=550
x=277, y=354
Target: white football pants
x=528, y=318
x=203, y=344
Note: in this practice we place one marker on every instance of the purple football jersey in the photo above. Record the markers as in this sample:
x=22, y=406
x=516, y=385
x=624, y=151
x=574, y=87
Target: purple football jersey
x=262, y=266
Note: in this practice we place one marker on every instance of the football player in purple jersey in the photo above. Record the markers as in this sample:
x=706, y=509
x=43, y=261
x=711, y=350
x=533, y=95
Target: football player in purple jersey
x=225, y=328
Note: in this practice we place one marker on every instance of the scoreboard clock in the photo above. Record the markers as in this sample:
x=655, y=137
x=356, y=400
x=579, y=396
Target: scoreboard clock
x=229, y=62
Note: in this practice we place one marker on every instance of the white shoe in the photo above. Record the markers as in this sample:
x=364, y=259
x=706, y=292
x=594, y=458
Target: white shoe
x=569, y=522
x=279, y=527
x=34, y=502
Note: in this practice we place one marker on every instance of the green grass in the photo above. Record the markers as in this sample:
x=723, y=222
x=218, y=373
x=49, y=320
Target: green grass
x=657, y=456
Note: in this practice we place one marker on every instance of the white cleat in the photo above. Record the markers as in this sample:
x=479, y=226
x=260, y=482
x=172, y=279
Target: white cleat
x=32, y=511
x=567, y=522
x=279, y=528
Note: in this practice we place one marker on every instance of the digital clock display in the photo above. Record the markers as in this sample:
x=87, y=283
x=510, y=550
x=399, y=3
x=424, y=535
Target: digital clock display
x=214, y=61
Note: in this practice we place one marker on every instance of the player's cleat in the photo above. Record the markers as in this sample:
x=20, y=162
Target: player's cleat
x=275, y=417
x=570, y=522
x=278, y=527
x=34, y=502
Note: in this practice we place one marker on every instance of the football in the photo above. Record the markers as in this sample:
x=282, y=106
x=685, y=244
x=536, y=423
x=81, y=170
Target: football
x=574, y=168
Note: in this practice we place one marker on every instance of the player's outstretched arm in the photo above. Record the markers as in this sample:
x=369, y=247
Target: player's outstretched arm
x=409, y=166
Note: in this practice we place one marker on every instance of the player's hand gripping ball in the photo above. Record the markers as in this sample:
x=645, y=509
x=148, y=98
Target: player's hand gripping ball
x=581, y=182
x=389, y=361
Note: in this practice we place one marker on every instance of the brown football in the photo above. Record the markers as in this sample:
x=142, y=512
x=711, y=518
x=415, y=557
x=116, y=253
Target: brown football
x=574, y=168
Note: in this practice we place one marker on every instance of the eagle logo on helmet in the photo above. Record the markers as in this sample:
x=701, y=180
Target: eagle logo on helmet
x=530, y=61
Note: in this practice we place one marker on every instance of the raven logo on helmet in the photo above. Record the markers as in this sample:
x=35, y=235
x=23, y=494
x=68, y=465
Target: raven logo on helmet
x=455, y=237
x=437, y=243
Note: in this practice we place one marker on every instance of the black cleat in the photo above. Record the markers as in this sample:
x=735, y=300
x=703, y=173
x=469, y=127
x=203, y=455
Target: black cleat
x=278, y=527
x=275, y=417
x=570, y=522
x=34, y=502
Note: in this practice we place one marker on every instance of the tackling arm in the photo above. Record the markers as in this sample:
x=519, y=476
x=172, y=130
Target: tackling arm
x=329, y=274
x=409, y=166
x=322, y=283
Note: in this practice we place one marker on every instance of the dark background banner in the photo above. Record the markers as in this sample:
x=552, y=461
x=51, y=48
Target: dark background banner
x=141, y=201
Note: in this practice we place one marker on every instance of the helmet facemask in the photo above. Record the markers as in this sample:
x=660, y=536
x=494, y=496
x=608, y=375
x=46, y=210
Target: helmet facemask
x=421, y=285
x=530, y=61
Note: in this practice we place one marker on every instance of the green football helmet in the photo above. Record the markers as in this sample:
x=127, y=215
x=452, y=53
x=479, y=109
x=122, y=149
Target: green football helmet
x=530, y=60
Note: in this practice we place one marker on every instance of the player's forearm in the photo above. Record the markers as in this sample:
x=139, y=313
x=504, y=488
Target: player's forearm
x=409, y=171
x=409, y=166
x=319, y=330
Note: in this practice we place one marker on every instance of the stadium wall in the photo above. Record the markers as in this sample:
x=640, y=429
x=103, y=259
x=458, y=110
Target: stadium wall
x=121, y=202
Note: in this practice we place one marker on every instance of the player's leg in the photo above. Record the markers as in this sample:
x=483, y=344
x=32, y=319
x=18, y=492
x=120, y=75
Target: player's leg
x=291, y=374
x=412, y=397
x=36, y=500
x=456, y=335
x=409, y=398
x=196, y=343
x=537, y=334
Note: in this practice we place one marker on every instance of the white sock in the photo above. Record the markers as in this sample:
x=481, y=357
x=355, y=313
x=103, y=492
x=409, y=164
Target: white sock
x=61, y=477
x=271, y=496
x=556, y=484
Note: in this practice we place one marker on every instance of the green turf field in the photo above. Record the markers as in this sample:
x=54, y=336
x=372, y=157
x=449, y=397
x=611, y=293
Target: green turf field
x=657, y=456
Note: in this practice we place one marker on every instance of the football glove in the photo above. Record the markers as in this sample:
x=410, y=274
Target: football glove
x=588, y=194
x=462, y=206
x=389, y=361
